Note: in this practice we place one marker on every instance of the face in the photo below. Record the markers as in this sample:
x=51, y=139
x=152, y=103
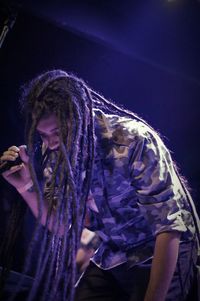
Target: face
x=48, y=129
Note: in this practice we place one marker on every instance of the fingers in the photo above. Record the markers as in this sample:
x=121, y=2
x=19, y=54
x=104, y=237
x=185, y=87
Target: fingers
x=23, y=153
x=14, y=148
x=11, y=154
x=12, y=170
x=16, y=167
x=14, y=152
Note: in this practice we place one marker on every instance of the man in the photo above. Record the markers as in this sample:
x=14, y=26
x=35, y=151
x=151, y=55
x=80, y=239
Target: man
x=107, y=169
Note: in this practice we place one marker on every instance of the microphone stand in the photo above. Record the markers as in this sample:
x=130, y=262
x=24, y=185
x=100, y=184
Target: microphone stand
x=7, y=26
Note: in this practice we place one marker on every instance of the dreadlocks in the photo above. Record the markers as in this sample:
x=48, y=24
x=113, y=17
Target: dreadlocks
x=69, y=98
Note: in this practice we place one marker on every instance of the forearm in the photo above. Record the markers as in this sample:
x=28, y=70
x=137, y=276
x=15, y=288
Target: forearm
x=31, y=199
x=163, y=265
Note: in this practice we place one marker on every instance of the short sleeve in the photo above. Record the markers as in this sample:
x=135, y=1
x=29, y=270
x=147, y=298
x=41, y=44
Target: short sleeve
x=156, y=184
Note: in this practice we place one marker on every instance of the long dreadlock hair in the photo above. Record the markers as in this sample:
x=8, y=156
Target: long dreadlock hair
x=73, y=103
x=69, y=99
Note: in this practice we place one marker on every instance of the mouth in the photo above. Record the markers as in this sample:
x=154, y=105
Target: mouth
x=54, y=149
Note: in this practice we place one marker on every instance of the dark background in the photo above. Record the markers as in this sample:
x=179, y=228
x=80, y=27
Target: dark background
x=143, y=54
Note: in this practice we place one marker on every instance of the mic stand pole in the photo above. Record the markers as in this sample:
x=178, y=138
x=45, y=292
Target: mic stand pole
x=8, y=24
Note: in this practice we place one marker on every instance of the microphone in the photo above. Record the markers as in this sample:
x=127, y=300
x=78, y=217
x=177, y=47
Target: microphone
x=6, y=165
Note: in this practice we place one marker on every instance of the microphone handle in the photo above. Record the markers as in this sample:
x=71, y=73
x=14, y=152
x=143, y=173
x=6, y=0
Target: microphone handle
x=6, y=165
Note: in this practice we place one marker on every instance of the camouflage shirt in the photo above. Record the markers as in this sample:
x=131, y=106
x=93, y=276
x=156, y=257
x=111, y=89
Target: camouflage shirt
x=135, y=191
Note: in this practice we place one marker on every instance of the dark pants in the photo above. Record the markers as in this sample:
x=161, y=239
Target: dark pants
x=130, y=284
x=116, y=284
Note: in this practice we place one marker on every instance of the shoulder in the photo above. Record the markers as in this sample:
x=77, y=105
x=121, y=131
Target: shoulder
x=124, y=130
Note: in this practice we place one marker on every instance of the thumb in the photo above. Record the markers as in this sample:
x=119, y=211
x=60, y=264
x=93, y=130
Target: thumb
x=23, y=153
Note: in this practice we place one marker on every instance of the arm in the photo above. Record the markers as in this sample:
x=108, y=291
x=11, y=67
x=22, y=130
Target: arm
x=30, y=197
x=160, y=200
x=163, y=265
x=19, y=177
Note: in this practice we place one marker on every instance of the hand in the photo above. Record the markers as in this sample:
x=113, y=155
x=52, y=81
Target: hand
x=83, y=258
x=18, y=175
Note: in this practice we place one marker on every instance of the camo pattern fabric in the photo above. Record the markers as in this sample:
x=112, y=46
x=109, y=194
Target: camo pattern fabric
x=135, y=192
